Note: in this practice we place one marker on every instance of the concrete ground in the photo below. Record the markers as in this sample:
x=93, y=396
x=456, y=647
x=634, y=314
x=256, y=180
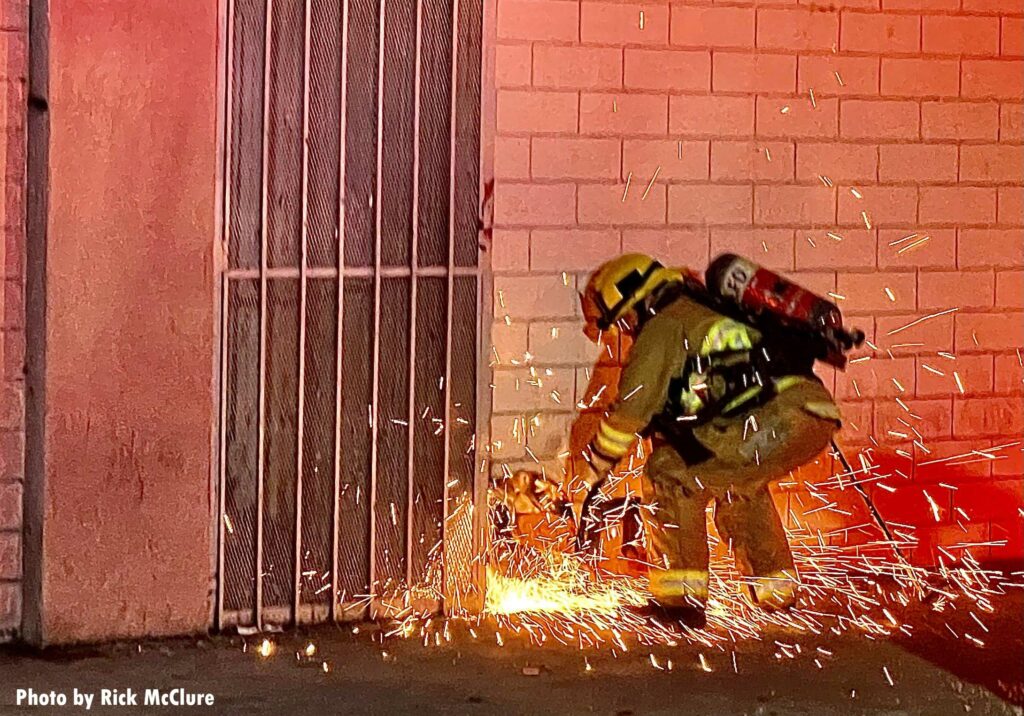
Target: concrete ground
x=933, y=673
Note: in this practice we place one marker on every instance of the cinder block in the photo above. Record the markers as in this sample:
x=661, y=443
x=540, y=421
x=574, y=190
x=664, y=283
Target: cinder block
x=889, y=292
x=797, y=118
x=10, y=555
x=1011, y=122
x=758, y=161
x=623, y=115
x=508, y=342
x=844, y=249
x=771, y=248
x=988, y=417
x=974, y=371
x=999, y=79
x=12, y=453
x=549, y=435
x=916, y=248
x=12, y=406
x=562, y=343
x=673, y=247
x=572, y=249
x=1009, y=376
x=877, y=378
x=918, y=163
x=944, y=35
x=709, y=204
x=512, y=158
x=534, y=204
x=840, y=162
x=624, y=23
x=672, y=160
x=802, y=29
x=10, y=606
x=957, y=205
x=539, y=296
x=712, y=26
x=753, y=72
x=880, y=33
x=539, y=20
x=832, y=75
x=992, y=163
x=1011, y=206
x=879, y=119
x=573, y=67
x=1010, y=289
x=512, y=65
x=10, y=506
x=989, y=331
x=907, y=334
x=884, y=206
x=576, y=158
x=615, y=204
x=1012, y=44
x=510, y=250
x=668, y=70
x=535, y=389
x=959, y=120
x=990, y=247
x=782, y=205
x=939, y=290
x=711, y=116
x=931, y=419
x=508, y=436
x=537, y=111
x=914, y=77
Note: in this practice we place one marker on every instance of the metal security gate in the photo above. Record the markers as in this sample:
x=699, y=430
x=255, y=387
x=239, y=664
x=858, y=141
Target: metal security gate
x=350, y=329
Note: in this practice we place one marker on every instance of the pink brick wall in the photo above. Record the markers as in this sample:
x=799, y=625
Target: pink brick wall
x=867, y=148
x=13, y=68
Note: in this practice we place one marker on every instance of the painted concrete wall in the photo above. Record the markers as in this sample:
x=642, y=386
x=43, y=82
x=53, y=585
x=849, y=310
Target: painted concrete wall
x=129, y=311
x=13, y=67
x=687, y=129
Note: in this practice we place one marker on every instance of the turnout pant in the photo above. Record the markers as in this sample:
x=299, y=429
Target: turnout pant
x=750, y=451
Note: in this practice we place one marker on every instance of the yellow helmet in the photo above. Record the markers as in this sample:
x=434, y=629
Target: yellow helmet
x=619, y=285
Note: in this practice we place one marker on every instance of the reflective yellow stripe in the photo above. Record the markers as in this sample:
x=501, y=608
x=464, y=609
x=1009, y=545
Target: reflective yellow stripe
x=743, y=397
x=609, y=447
x=615, y=435
x=787, y=382
x=679, y=583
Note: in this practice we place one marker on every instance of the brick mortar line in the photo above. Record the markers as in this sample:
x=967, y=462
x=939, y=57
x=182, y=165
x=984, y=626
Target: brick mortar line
x=769, y=51
x=751, y=139
x=816, y=9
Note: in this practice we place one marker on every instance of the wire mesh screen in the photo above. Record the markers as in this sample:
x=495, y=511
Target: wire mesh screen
x=351, y=306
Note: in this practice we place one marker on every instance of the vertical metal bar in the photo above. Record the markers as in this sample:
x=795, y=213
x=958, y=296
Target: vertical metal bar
x=414, y=266
x=376, y=306
x=264, y=229
x=451, y=290
x=224, y=293
x=303, y=249
x=485, y=294
x=335, y=509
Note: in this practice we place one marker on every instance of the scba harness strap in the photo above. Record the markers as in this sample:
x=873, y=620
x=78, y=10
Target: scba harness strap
x=736, y=381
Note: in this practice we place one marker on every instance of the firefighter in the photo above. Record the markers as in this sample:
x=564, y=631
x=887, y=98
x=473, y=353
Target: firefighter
x=723, y=424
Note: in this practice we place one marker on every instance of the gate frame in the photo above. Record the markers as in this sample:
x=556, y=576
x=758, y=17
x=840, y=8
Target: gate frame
x=484, y=305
